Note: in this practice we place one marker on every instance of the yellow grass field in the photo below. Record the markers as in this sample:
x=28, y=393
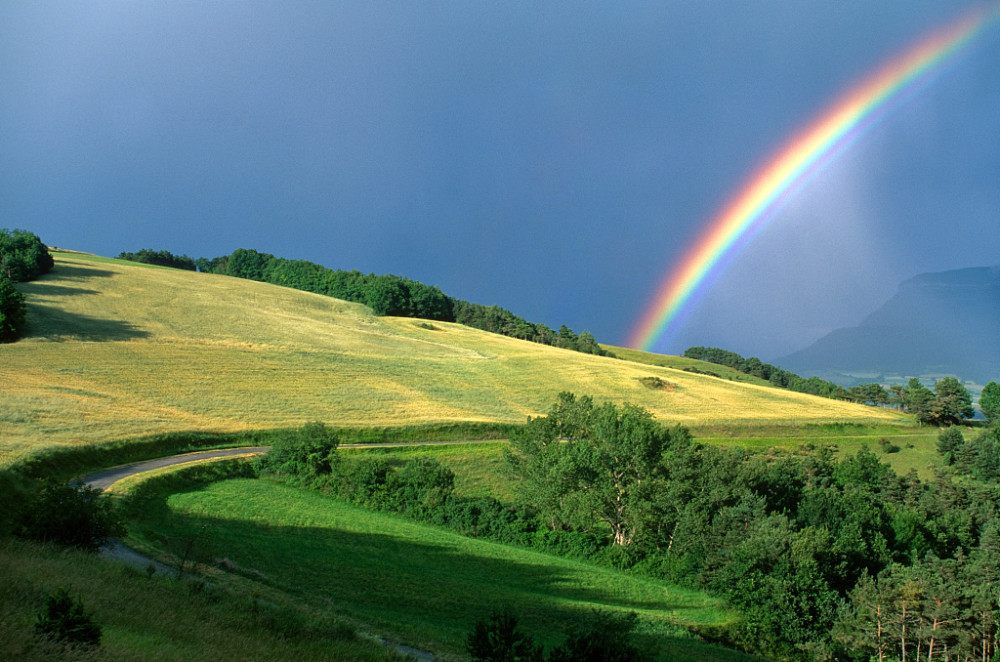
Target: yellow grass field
x=116, y=350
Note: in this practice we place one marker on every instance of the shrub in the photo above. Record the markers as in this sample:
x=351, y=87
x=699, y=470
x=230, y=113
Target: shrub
x=607, y=638
x=423, y=484
x=498, y=639
x=70, y=515
x=365, y=482
x=64, y=619
x=308, y=452
x=888, y=446
x=657, y=384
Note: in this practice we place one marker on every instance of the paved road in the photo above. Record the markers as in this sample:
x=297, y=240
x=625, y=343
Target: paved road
x=106, y=478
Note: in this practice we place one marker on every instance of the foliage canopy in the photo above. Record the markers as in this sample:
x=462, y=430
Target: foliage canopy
x=989, y=402
x=71, y=515
x=12, y=310
x=23, y=256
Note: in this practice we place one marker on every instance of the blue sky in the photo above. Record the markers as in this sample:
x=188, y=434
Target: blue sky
x=554, y=158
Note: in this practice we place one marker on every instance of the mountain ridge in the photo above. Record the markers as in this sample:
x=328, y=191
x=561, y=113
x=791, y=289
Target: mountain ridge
x=937, y=323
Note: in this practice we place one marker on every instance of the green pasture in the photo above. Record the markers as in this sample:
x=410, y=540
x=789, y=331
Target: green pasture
x=422, y=584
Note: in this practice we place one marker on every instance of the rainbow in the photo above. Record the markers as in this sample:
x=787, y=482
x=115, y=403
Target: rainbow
x=796, y=163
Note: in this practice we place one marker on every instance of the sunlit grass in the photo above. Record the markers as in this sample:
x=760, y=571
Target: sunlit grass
x=115, y=350
x=427, y=585
x=479, y=468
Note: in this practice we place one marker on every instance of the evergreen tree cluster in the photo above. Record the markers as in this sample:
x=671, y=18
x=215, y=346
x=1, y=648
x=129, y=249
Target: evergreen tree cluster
x=391, y=295
x=948, y=404
x=23, y=257
x=978, y=457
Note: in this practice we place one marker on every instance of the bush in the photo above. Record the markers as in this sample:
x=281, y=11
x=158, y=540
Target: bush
x=498, y=639
x=309, y=452
x=607, y=638
x=64, y=619
x=654, y=383
x=12, y=310
x=422, y=484
x=888, y=446
x=70, y=515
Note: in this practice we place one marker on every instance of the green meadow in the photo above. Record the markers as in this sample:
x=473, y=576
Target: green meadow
x=414, y=582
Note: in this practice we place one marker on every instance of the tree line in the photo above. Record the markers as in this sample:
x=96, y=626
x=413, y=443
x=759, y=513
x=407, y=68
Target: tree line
x=23, y=257
x=947, y=404
x=826, y=558
x=160, y=258
x=385, y=294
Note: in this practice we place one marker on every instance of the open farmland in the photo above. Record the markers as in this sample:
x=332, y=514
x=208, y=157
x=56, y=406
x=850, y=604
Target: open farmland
x=115, y=350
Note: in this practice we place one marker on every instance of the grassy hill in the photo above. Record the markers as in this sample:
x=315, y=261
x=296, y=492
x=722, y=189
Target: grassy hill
x=115, y=350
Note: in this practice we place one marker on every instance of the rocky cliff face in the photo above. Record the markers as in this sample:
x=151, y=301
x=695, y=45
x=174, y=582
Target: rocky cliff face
x=938, y=323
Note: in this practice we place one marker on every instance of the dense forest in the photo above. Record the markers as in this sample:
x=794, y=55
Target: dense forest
x=826, y=558
x=23, y=257
x=385, y=294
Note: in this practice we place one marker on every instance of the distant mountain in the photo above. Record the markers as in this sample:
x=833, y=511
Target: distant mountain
x=938, y=323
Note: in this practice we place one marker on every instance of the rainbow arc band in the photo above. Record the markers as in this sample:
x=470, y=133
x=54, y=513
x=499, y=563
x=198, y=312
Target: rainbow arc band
x=796, y=163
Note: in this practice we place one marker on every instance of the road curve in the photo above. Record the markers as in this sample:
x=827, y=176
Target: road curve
x=119, y=551
x=107, y=477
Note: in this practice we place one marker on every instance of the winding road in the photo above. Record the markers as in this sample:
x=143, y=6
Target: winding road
x=117, y=550
x=107, y=477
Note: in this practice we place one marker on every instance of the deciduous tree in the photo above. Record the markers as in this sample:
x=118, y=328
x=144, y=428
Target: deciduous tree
x=586, y=462
x=989, y=402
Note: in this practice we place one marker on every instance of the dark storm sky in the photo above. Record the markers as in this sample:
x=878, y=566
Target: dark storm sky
x=555, y=158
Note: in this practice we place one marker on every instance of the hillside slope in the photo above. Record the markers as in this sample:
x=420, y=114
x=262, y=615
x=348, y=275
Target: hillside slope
x=115, y=350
